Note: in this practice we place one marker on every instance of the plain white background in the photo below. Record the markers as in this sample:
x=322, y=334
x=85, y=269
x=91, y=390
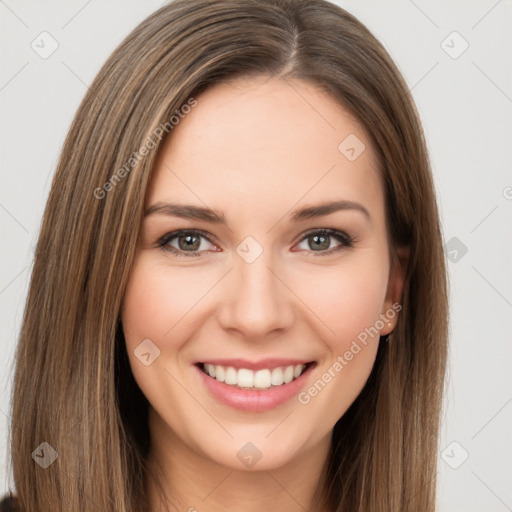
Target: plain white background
x=456, y=57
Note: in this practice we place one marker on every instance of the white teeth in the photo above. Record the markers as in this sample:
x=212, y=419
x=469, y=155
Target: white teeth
x=231, y=376
x=260, y=379
x=288, y=374
x=245, y=378
x=277, y=376
x=220, y=375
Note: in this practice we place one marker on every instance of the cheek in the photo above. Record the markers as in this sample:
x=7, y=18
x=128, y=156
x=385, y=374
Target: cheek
x=346, y=300
x=151, y=308
x=347, y=303
x=155, y=302
x=143, y=310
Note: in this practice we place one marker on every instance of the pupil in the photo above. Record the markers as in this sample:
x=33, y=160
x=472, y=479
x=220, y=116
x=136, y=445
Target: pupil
x=325, y=244
x=188, y=244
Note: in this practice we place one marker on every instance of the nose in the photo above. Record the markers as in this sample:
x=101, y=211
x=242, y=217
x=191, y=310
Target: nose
x=256, y=301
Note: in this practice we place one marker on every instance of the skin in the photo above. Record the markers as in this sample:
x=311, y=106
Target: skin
x=256, y=150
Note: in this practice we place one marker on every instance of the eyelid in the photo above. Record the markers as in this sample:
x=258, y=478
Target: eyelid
x=328, y=231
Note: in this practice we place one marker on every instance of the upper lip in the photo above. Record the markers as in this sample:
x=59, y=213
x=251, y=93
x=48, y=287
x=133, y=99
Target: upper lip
x=256, y=365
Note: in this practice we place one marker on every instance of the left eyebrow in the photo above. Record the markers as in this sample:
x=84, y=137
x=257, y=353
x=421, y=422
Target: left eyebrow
x=320, y=210
x=189, y=211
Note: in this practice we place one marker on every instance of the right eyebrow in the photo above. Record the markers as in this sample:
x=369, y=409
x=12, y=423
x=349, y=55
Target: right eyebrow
x=186, y=211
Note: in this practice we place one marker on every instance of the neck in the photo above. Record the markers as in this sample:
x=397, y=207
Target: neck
x=186, y=480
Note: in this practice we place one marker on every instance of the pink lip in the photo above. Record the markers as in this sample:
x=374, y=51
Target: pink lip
x=253, y=400
x=256, y=365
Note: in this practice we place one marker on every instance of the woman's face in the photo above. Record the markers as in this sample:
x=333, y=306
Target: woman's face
x=263, y=291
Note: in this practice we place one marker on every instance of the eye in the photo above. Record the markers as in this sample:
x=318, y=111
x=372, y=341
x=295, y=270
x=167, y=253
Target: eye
x=190, y=242
x=186, y=242
x=319, y=241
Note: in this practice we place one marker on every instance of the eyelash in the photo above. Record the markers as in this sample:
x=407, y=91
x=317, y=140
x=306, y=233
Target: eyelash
x=346, y=241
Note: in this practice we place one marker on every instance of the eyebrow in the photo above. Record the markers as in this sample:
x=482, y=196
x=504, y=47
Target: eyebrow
x=187, y=211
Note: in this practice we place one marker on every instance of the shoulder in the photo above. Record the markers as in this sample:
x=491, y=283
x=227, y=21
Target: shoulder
x=9, y=503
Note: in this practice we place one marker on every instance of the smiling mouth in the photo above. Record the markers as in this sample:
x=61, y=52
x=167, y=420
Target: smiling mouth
x=254, y=380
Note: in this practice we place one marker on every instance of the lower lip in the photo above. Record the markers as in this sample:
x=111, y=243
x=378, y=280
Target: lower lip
x=255, y=400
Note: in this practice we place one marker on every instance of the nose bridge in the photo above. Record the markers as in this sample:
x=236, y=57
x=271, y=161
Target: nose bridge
x=257, y=301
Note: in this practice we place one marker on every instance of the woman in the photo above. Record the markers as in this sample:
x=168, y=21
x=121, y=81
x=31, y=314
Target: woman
x=238, y=298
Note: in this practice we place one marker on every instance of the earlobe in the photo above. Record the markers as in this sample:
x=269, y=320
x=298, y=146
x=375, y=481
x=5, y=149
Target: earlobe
x=396, y=282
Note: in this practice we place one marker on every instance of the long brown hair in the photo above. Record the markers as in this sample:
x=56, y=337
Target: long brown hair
x=73, y=387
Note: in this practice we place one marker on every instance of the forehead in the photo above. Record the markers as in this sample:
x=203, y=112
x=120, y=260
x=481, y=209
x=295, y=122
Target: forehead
x=255, y=146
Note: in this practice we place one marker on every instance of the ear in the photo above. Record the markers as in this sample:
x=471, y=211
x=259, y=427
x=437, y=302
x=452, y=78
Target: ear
x=392, y=304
